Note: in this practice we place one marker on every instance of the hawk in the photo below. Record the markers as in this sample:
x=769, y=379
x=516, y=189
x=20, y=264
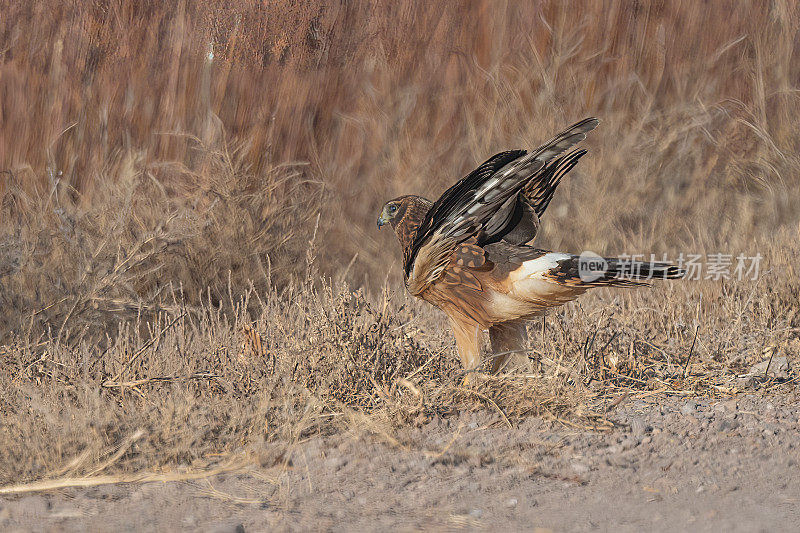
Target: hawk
x=469, y=253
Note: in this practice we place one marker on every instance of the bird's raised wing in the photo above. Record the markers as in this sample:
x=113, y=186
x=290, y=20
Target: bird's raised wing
x=481, y=205
x=539, y=191
x=535, y=197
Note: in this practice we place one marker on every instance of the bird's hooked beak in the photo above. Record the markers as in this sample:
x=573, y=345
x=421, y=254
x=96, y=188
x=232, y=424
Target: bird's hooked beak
x=383, y=219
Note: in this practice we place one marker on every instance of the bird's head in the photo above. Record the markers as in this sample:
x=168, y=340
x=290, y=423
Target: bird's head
x=405, y=214
x=395, y=210
x=389, y=213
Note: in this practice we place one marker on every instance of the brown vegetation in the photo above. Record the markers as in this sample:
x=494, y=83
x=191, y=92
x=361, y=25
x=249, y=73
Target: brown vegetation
x=180, y=183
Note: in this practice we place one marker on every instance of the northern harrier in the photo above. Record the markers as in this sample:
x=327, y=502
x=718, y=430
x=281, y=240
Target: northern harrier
x=469, y=253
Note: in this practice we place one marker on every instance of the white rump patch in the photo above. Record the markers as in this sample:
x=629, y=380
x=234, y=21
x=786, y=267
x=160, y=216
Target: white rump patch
x=530, y=293
x=533, y=292
x=539, y=265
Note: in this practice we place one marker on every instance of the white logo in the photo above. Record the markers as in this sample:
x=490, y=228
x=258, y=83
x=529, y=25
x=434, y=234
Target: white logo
x=591, y=267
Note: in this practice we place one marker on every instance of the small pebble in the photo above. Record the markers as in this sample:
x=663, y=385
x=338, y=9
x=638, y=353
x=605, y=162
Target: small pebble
x=726, y=425
x=335, y=463
x=639, y=427
x=580, y=468
x=688, y=408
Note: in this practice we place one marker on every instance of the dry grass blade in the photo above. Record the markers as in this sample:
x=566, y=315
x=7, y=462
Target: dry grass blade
x=209, y=490
x=94, y=481
x=123, y=447
x=138, y=352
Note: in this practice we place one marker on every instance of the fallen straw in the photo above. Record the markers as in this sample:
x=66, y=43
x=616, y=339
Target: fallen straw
x=93, y=481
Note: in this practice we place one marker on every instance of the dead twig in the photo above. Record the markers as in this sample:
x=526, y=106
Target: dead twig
x=617, y=401
x=119, y=453
x=148, y=344
x=109, y=384
x=93, y=481
x=691, y=350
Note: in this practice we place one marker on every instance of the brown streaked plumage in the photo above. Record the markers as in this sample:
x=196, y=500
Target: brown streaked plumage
x=469, y=252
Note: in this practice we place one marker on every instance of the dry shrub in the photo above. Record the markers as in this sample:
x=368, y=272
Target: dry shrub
x=73, y=268
x=206, y=384
x=203, y=384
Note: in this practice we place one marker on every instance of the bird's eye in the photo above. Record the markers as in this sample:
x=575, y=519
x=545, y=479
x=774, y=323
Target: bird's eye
x=393, y=208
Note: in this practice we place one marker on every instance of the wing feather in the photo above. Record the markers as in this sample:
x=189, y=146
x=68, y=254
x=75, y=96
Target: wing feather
x=481, y=205
x=540, y=191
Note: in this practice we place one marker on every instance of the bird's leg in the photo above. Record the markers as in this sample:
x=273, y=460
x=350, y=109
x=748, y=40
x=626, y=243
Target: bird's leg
x=468, y=343
x=508, y=339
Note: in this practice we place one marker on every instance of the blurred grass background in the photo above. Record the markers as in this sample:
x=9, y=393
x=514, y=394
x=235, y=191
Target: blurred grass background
x=184, y=159
x=216, y=131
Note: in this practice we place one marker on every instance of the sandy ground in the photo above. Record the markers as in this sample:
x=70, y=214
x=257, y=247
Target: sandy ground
x=671, y=465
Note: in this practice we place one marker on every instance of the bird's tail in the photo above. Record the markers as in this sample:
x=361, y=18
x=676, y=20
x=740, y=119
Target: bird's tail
x=547, y=279
x=587, y=270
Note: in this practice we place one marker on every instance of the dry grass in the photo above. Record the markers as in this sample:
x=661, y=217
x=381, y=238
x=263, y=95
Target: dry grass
x=187, y=245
